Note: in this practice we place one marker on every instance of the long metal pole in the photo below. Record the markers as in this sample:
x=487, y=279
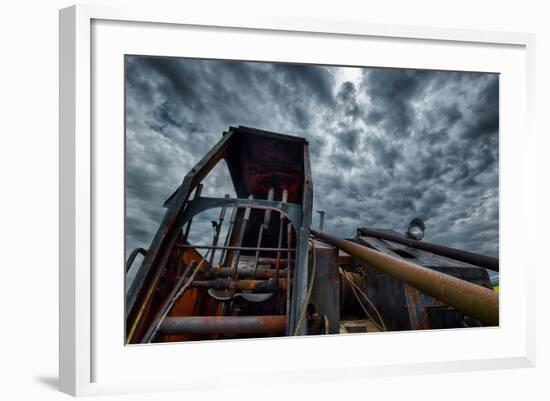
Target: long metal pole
x=474, y=300
x=217, y=231
x=289, y=243
x=228, y=234
x=197, y=195
x=224, y=324
x=264, y=226
x=464, y=256
x=280, y=241
x=237, y=254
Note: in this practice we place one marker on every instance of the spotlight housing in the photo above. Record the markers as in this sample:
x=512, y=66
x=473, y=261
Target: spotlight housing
x=416, y=229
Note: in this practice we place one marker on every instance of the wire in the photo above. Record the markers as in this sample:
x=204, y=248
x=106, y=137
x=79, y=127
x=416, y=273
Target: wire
x=180, y=292
x=306, y=301
x=365, y=309
x=356, y=287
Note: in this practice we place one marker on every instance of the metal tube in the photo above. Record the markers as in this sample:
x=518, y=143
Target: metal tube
x=133, y=255
x=237, y=254
x=474, y=300
x=228, y=234
x=224, y=324
x=261, y=273
x=168, y=304
x=321, y=219
x=217, y=231
x=264, y=226
x=242, y=285
x=197, y=195
x=280, y=242
x=272, y=261
x=464, y=256
x=289, y=242
x=236, y=248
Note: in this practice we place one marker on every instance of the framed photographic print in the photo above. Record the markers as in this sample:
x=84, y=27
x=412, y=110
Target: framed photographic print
x=281, y=187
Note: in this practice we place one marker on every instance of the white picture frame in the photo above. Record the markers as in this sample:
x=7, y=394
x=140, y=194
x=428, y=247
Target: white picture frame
x=84, y=359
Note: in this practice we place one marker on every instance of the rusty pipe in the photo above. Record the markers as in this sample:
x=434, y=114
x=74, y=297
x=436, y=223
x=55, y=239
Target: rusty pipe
x=243, y=285
x=243, y=272
x=472, y=299
x=264, y=226
x=224, y=324
x=458, y=254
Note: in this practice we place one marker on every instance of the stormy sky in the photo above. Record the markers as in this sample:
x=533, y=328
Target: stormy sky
x=386, y=145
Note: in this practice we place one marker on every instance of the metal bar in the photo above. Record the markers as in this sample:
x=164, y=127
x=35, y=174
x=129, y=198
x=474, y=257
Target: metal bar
x=169, y=302
x=271, y=261
x=321, y=219
x=474, y=300
x=197, y=195
x=261, y=273
x=228, y=235
x=236, y=255
x=217, y=231
x=242, y=285
x=264, y=226
x=133, y=256
x=464, y=256
x=289, y=238
x=299, y=290
x=280, y=241
x=236, y=248
x=224, y=324
x=292, y=211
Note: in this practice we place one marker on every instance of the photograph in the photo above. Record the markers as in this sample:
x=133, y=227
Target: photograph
x=272, y=199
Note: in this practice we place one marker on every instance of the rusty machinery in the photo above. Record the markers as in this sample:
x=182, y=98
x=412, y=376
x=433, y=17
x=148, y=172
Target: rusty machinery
x=271, y=275
x=180, y=294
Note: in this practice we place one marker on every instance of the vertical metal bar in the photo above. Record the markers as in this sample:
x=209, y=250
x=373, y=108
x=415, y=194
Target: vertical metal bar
x=321, y=219
x=264, y=226
x=237, y=253
x=289, y=239
x=228, y=234
x=217, y=232
x=301, y=265
x=280, y=242
x=188, y=227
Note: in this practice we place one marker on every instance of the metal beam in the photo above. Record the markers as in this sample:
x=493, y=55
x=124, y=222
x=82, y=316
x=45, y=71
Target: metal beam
x=464, y=256
x=224, y=325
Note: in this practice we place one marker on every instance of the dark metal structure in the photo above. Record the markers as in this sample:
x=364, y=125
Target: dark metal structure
x=266, y=273
x=271, y=174
x=397, y=285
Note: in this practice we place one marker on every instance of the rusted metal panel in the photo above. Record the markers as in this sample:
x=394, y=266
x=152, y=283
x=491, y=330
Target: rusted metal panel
x=301, y=268
x=344, y=259
x=325, y=295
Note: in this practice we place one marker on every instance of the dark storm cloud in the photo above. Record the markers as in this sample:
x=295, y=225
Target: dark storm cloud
x=393, y=92
x=386, y=145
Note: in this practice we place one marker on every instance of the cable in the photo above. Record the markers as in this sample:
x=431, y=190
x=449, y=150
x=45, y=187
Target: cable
x=365, y=309
x=179, y=294
x=306, y=301
x=355, y=286
x=369, y=301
